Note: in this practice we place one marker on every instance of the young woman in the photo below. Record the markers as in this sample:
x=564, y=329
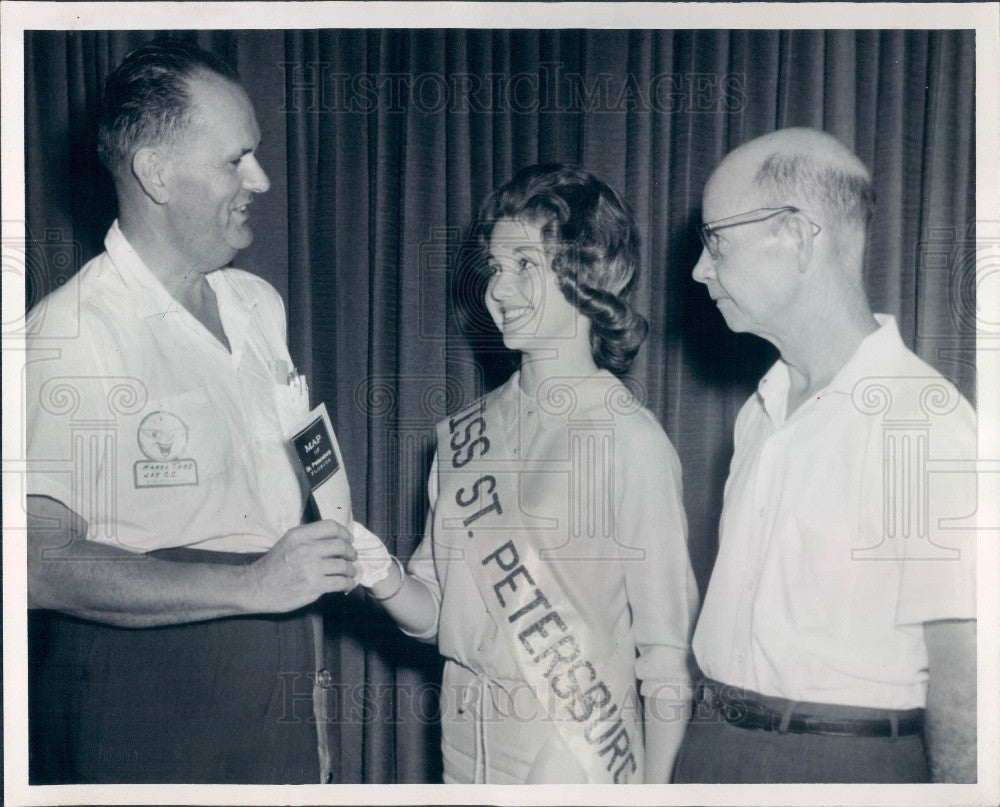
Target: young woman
x=554, y=570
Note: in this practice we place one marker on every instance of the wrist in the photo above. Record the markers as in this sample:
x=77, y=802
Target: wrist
x=390, y=585
x=248, y=587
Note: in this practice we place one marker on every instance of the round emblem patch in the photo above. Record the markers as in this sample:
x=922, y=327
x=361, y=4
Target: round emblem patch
x=162, y=436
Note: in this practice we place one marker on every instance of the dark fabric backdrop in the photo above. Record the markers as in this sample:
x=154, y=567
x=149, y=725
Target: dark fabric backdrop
x=380, y=144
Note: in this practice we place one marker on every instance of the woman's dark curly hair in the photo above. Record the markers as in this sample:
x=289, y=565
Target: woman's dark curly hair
x=593, y=248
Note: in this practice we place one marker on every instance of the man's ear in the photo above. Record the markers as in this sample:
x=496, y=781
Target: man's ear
x=150, y=167
x=801, y=230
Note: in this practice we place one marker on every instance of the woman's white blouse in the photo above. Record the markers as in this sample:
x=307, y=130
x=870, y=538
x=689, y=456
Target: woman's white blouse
x=626, y=560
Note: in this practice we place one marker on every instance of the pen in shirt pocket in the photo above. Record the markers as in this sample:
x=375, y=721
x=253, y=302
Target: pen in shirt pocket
x=290, y=377
x=297, y=382
x=279, y=367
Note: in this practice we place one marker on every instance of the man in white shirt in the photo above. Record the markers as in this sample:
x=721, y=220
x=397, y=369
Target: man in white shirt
x=164, y=532
x=838, y=630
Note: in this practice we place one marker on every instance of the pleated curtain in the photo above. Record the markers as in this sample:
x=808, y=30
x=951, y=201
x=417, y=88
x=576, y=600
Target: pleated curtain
x=380, y=144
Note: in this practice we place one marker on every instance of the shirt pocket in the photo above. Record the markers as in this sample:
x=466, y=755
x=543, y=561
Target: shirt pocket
x=291, y=403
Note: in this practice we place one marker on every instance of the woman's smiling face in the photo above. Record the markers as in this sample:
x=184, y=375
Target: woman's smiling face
x=523, y=294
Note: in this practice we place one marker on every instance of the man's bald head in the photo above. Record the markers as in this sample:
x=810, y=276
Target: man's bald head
x=805, y=168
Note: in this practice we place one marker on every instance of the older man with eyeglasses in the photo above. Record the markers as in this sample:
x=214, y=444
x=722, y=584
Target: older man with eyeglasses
x=838, y=631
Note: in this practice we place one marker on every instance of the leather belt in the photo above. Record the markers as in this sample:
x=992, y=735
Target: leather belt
x=749, y=711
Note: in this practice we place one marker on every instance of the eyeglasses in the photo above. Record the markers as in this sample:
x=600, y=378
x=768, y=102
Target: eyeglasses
x=710, y=232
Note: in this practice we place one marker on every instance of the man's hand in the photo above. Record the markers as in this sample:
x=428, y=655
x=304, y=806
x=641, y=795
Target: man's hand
x=308, y=562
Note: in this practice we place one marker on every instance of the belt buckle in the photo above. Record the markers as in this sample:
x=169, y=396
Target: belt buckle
x=751, y=714
x=766, y=718
x=743, y=713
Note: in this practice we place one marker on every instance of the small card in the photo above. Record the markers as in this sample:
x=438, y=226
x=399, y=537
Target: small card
x=316, y=446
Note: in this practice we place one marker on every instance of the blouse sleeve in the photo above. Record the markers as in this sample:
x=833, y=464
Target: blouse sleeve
x=421, y=564
x=659, y=583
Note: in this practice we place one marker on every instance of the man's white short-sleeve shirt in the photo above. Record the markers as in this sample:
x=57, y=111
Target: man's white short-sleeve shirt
x=846, y=525
x=140, y=421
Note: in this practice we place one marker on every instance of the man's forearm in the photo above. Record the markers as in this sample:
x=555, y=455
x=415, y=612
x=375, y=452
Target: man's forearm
x=136, y=591
x=666, y=720
x=951, y=700
x=107, y=584
x=110, y=585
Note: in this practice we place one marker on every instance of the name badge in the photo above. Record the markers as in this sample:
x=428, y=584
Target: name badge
x=163, y=437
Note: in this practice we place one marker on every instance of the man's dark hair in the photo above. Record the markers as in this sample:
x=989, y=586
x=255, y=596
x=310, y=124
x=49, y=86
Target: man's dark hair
x=146, y=99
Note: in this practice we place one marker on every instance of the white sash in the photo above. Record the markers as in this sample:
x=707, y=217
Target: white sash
x=583, y=681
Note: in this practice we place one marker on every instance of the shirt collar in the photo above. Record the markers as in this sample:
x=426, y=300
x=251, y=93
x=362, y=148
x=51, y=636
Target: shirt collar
x=567, y=398
x=236, y=306
x=148, y=295
x=151, y=298
x=875, y=356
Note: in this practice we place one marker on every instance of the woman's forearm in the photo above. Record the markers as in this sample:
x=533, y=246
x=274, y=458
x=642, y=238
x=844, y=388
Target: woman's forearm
x=412, y=605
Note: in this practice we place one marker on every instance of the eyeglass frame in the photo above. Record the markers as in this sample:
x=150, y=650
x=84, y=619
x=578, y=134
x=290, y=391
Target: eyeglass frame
x=709, y=229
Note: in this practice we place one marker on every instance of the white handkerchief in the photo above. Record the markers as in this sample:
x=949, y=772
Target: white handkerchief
x=373, y=558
